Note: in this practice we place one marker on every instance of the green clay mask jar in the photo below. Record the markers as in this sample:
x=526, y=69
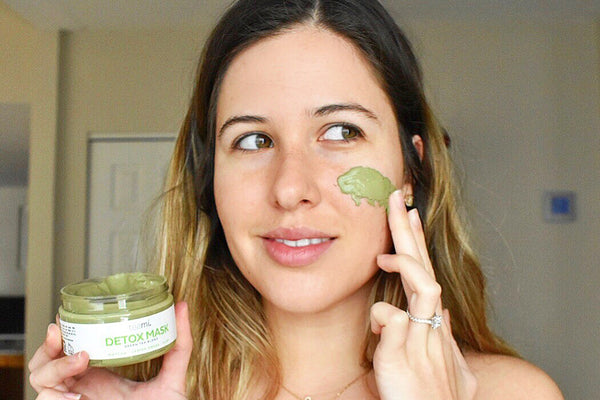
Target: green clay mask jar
x=118, y=320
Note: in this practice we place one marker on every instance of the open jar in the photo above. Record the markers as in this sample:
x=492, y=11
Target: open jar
x=118, y=320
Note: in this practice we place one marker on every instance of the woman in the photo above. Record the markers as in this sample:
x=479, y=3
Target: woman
x=294, y=291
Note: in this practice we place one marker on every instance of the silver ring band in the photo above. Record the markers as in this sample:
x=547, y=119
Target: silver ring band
x=435, y=321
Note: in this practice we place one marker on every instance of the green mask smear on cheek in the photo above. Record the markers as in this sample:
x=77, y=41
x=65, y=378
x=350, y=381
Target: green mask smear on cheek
x=366, y=183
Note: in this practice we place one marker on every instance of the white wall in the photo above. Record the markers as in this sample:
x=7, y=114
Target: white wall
x=12, y=275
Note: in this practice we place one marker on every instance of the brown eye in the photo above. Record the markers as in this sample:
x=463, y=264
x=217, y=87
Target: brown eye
x=254, y=141
x=342, y=132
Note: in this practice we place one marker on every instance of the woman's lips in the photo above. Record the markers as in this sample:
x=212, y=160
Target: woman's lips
x=296, y=247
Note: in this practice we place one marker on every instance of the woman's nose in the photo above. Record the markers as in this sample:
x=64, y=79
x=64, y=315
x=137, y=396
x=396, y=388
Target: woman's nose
x=295, y=181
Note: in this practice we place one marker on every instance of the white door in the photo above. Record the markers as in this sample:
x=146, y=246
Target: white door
x=125, y=177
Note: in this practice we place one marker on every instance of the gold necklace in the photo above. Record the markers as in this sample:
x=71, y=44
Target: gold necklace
x=337, y=395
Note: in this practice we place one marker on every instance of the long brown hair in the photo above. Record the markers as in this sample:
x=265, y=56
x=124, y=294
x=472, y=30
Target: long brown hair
x=231, y=339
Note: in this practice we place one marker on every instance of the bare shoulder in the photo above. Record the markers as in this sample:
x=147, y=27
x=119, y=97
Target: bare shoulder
x=504, y=377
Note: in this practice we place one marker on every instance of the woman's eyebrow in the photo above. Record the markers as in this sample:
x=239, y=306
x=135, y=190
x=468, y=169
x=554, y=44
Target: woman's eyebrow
x=318, y=112
x=332, y=108
x=236, y=119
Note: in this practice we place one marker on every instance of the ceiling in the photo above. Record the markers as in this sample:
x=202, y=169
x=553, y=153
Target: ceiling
x=132, y=14
x=75, y=15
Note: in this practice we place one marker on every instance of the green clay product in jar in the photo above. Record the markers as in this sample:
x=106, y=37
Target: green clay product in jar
x=366, y=183
x=118, y=320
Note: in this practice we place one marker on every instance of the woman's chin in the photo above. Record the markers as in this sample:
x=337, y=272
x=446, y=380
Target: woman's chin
x=314, y=300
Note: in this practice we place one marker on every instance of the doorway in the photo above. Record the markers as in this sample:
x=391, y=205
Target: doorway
x=14, y=170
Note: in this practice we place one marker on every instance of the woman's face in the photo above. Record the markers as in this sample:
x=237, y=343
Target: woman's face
x=294, y=112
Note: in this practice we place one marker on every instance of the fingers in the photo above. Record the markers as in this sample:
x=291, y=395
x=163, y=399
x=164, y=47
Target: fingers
x=49, y=369
x=466, y=382
x=55, y=372
x=423, y=290
x=407, y=234
x=49, y=350
x=391, y=323
x=407, y=231
x=412, y=262
x=440, y=373
x=51, y=394
x=415, y=344
x=419, y=236
x=404, y=241
x=462, y=363
x=175, y=362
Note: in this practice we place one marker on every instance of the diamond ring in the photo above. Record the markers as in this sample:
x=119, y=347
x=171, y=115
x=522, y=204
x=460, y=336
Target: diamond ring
x=435, y=321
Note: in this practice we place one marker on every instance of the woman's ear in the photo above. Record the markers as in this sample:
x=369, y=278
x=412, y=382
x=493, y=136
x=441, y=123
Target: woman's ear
x=418, y=143
x=407, y=187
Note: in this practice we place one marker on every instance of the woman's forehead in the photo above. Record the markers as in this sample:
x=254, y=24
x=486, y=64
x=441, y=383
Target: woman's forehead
x=305, y=66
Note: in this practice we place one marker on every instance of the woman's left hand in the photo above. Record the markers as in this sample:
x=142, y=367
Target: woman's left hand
x=412, y=360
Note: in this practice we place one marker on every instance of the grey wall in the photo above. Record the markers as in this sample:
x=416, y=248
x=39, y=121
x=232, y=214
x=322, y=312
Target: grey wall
x=521, y=101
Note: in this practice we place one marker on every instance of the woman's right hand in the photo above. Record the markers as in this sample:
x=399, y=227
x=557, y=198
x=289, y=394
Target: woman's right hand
x=56, y=376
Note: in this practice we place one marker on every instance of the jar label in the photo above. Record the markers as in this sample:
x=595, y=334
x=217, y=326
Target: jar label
x=120, y=339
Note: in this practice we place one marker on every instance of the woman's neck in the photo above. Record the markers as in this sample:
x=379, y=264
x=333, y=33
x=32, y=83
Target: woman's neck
x=321, y=352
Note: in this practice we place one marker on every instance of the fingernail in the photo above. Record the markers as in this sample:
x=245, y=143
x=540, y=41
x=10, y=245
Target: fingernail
x=49, y=327
x=397, y=198
x=75, y=357
x=413, y=216
x=72, y=396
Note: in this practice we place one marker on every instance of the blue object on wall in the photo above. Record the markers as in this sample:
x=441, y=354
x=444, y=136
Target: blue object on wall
x=559, y=206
